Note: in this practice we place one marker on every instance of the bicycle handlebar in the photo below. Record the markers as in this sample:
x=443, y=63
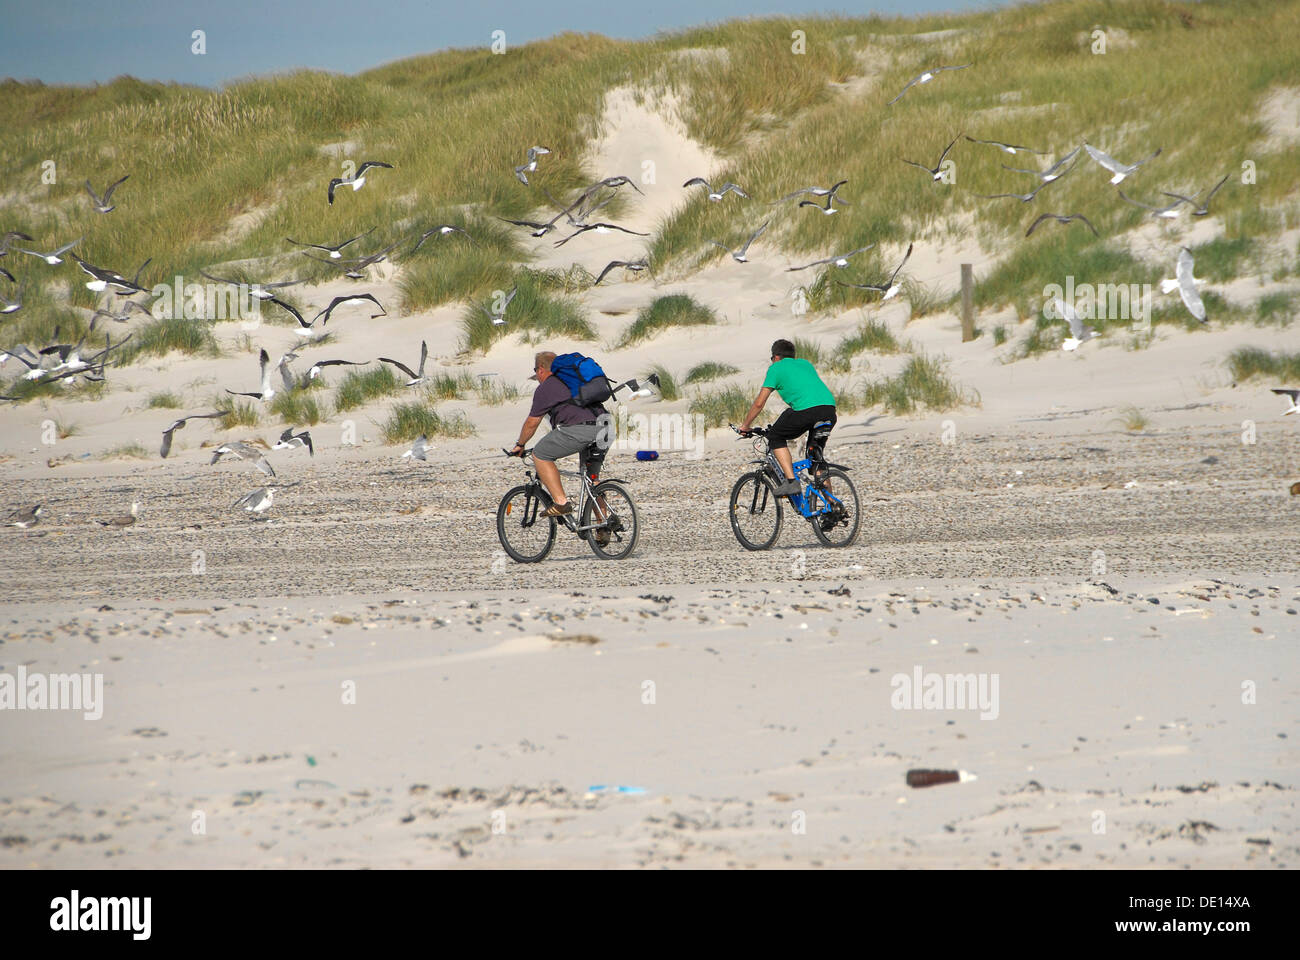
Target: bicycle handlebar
x=752, y=431
x=522, y=453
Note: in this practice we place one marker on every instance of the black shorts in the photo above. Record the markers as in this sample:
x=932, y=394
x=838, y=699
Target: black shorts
x=794, y=423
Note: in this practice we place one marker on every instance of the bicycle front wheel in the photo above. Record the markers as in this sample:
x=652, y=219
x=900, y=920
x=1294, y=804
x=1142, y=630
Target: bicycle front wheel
x=838, y=527
x=524, y=532
x=612, y=509
x=755, y=511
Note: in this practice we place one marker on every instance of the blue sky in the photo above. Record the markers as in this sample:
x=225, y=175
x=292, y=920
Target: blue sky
x=75, y=41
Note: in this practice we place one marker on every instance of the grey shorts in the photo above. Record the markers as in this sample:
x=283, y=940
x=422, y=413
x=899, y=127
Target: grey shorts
x=564, y=441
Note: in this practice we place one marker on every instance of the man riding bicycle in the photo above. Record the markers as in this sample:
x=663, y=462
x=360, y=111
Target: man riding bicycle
x=811, y=402
x=574, y=429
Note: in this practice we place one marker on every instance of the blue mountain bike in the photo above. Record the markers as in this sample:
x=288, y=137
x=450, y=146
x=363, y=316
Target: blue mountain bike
x=828, y=501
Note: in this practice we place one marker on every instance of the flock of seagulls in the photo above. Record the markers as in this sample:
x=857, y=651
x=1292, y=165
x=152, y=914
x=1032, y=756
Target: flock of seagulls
x=63, y=361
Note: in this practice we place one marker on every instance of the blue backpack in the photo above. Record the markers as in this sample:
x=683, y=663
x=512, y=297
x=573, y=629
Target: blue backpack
x=586, y=381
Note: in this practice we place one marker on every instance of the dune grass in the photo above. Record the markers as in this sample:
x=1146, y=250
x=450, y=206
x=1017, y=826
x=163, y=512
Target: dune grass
x=451, y=386
x=358, y=388
x=673, y=310
x=300, y=406
x=164, y=400
x=669, y=390
x=872, y=335
x=922, y=384
x=722, y=406
x=236, y=413
x=493, y=393
x=708, y=371
x=1278, y=308
x=408, y=420
x=1132, y=418
x=1249, y=363
x=126, y=451
x=532, y=311
x=157, y=338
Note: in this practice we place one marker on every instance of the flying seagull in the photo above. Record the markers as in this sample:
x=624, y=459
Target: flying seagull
x=634, y=386
x=316, y=367
x=442, y=229
x=1185, y=284
x=825, y=209
x=357, y=298
x=289, y=439
x=615, y=182
x=584, y=206
x=889, y=289
x=1078, y=333
x=54, y=258
x=7, y=275
x=538, y=229
x=1293, y=396
x=1168, y=213
x=267, y=391
x=243, y=451
x=11, y=306
x=1054, y=172
x=741, y=255
x=335, y=250
x=25, y=518
x=8, y=238
x=125, y=520
x=716, y=195
x=1120, y=170
x=121, y=317
x=530, y=165
x=935, y=172
x=1201, y=208
x=1022, y=197
x=358, y=179
x=816, y=192
x=355, y=266
x=257, y=502
x=599, y=228
x=180, y=425
x=1010, y=148
x=636, y=266
x=258, y=291
x=841, y=260
x=499, y=317
x=925, y=77
x=419, y=447
x=102, y=204
x=417, y=377
x=1061, y=218
x=102, y=279
x=286, y=375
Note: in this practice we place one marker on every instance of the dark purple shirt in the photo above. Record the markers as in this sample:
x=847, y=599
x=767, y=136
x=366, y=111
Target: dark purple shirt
x=553, y=397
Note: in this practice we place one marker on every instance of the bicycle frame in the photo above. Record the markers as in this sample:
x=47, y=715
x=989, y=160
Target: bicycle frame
x=586, y=493
x=802, y=502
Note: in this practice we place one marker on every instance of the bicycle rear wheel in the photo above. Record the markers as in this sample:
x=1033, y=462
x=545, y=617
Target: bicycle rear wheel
x=840, y=527
x=524, y=533
x=619, y=517
x=755, y=511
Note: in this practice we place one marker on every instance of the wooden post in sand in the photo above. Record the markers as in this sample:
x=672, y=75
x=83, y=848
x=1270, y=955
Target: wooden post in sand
x=967, y=303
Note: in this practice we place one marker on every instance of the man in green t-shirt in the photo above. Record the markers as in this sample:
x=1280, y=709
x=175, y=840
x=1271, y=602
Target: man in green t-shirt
x=811, y=402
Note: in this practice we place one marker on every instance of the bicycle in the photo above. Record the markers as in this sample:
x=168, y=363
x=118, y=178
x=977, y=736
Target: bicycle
x=528, y=536
x=828, y=500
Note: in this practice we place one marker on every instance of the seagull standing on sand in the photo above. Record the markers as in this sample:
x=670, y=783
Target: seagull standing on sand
x=180, y=425
x=842, y=260
x=289, y=440
x=1078, y=333
x=257, y=502
x=1201, y=208
x=55, y=257
x=417, y=376
x=358, y=179
x=715, y=195
x=935, y=172
x=243, y=451
x=267, y=391
x=102, y=204
x=125, y=520
x=1293, y=396
x=1120, y=170
x=742, y=255
x=925, y=77
x=25, y=518
x=1185, y=284
x=889, y=289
